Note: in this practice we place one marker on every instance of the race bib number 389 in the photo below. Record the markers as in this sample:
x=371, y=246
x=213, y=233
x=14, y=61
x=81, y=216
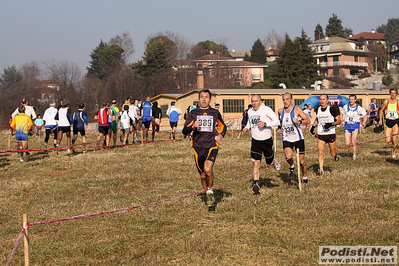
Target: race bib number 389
x=206, y=123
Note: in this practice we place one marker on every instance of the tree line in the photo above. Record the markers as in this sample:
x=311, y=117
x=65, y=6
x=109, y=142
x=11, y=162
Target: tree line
x=166, y=67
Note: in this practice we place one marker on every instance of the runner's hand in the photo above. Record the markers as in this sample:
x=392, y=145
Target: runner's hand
x=218, y=138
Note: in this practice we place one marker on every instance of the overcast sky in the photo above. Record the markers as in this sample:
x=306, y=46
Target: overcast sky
x=68, y=30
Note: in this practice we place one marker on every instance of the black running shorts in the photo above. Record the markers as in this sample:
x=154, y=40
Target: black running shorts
x=264, y=147
x=204, y=154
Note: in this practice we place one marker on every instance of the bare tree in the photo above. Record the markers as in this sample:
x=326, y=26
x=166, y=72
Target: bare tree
x=182, y=44
x=68, y=74
x=31, y=71
x=273, y=40
x=126, y=43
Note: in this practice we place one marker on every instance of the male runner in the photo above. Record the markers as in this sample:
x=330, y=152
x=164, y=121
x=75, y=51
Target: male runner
x=157, y=117
x=64, y=124
x=355, y=114
x=261, y=119
x=391, y=108
x=103, y=126
x=51, y=124
x=326, y=118
x=114, y=123
x=205, y=141
x=21, y=123
x=373, y=116
x=79, y=123
x=292, y=117
x=173, y=113
x=146, y=113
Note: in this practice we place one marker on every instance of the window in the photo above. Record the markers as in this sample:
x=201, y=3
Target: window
x=380, y=102
x=233, y=106
x=164, y=108
x=298, y=101
x=356, y=58
x=271, y=103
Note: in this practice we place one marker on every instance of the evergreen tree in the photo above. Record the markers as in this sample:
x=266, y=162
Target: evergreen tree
x=247, y=57
x=348, y=32
x=318, y=32
x=334, y=27
x=296, y=64
x=205, y=47
x=258, y=52
x=10, y=78
x=391, y=30
x=95, y=67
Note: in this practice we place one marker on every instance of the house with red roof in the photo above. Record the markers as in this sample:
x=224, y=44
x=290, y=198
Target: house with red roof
x=370, y=37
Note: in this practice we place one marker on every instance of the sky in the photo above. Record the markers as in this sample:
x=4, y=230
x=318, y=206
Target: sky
x=42, y=31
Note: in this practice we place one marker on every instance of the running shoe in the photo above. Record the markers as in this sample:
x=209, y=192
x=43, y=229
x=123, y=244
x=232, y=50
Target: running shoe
x=336, y=158
x=305, y=180
x=320, y=172
x=21, y=159
x=354, y=157
x=277, y=165
x=256, y=187
x=393, y=156
x=292, y=171
x=210, y=199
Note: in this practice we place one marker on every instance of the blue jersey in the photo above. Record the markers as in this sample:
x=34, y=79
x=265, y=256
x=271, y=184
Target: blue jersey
x=373, y=107
x=79, y=119
x=146, y=111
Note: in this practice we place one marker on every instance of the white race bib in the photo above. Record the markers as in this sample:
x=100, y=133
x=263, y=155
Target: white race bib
x=206, y=123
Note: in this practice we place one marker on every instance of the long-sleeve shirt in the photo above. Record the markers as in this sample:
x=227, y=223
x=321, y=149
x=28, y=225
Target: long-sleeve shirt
x=265, y=114
x=204, y=135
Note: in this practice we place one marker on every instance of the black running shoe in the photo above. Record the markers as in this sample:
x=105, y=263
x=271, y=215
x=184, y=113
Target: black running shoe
x=305, y=180
x=336, y=158
x=292, y=170
x=256, y=187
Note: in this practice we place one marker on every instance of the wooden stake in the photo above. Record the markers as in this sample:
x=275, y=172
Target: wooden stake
x=26, y=241
x=9, y=140
x=299, y=170
x=274, y=138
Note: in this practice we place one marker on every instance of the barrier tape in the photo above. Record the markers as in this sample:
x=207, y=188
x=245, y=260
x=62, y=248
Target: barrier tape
x=15, y=246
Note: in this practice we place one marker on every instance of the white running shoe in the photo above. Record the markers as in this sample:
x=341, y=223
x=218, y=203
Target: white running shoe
x=277, y=165
x=354, y=157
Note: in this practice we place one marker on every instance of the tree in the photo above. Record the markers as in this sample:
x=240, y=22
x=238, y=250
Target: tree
x=105, y=60
x=334, y=27
x=296, y=66
x=348, y=32
x=126, y=43
x=205, y=47
x=378, y=50
x=318, y=32
x=183, y=46
x=247, y=57
x=391, y=30
x=10, y=78
x=387, y=79
x=273, y=40
x=158, y=55
x=258, y=52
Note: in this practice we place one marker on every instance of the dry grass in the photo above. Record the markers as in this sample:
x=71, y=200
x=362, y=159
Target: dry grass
x=355, y=203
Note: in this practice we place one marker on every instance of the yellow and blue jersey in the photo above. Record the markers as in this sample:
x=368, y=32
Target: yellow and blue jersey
x=22, y=123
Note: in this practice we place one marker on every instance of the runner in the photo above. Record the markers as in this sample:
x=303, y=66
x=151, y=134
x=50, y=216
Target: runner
x=103, y=126
x=308, y=112
x=125, y=123
x=146, y=113
x=261, y=119
x=373, y=116
x=21, y=123
x=39, y=124
x=64, y=124
x=205, y=141
x=51, y=124
x=157, y=117
x=173, y=113
x=114, y=123
x=79, y=121
x=391, y=108
x=355, y=115
x=326, y=119
x=134, y=113
x=292, y=117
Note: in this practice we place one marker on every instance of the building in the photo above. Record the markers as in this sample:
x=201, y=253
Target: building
x=394, y=54
x=234, y=101
x=340, y=58
x=372, y=37
x=239, y=55
x=272, y=54
x=225, y=72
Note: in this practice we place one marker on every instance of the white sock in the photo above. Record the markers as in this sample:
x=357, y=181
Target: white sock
x=209, y=191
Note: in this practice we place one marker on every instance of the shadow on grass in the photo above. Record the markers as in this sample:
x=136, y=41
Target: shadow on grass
x=382, y=153
x=4, y=160
x=392, y=161
x=219, y=195
x=38, y=156
x=345, y=155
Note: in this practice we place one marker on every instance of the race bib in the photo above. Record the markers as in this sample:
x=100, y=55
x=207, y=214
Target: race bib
x=392, y=114
x=254, y=121
x=351, y=120
x=206, y=123
x=288, y=131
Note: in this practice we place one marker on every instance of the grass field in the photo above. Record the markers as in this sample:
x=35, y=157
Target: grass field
x=355, y=203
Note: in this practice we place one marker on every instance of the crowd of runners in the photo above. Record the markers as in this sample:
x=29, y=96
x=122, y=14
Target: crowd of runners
x=206, y=128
